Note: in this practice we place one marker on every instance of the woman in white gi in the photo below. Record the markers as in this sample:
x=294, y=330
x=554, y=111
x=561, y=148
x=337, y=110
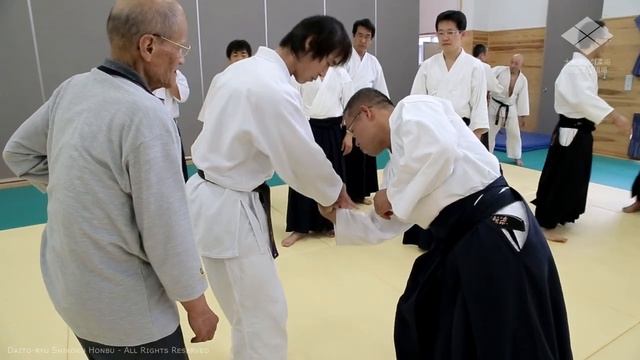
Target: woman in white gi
x=255, y=124
x=488, y=289
x=324, y=100
x=508, y=107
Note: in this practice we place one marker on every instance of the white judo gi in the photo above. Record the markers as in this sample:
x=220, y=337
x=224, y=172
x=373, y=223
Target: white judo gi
x=169, y=101
x=254, y=123
x=517, y=100
x=429, y=168
x=327, y=97
x=465, y=85
x=366, y=72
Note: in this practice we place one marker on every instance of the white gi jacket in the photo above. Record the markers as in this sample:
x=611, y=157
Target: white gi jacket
x=518, y=101
x=576, y=95
x=465, y=85
x=366, y=72
x=253, y=125
x=433, y=156
x=170, y=102
x=493, y=85
x=327, y=97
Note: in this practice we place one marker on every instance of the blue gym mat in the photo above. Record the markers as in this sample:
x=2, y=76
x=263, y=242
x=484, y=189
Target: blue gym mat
x=530, y=141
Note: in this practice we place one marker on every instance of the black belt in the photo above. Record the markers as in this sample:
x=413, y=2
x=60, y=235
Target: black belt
x=580, y=124
x=506, y=112
x=326, y=123
x=466, y=120
x=264, y=193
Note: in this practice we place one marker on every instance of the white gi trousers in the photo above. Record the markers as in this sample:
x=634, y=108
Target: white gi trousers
x=512, y=126
x=242, y=271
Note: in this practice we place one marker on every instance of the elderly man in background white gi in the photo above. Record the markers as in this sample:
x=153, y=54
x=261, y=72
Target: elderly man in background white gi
x=509, y=107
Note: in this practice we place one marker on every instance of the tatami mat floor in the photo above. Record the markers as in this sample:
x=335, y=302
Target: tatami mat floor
x=342, y=299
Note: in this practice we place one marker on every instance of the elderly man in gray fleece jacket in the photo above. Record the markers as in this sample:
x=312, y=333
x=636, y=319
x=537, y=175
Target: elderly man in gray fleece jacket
x=118, y=250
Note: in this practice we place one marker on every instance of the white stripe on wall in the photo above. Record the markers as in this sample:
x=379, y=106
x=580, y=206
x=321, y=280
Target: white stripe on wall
x=375, y=23
x=35, y=48
x=266, y=26
x=200, y=49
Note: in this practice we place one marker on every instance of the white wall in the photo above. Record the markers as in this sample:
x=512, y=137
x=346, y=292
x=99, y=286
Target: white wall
x=492, y=15
x=620, y=8
x=517, y=14
x=429, y=10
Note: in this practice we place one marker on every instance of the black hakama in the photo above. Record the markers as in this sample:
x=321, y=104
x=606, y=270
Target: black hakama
x=361, y=174
x=418, y=236
x=302, y=212
x=564, y=182
x=474, y=296
x=635, y=188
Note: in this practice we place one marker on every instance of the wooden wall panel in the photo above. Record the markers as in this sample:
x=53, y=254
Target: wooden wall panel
x=473, y=37
x=622, y=52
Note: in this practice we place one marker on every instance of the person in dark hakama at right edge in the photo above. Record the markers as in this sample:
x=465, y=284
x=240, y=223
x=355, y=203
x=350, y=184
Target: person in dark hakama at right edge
x=635, y=193
x=562, y=190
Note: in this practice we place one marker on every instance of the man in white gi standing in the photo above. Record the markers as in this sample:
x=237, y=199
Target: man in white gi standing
x=509, y=107
x=458, y=77
x=455, y=75
x=564, y=183
x=365, y=71
x=254, y=124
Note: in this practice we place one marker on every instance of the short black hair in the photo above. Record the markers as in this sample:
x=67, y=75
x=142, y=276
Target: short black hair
x=327, y=35
x=479, y=49
x=238, y=45
x=368, y=97
x=456, y=16
x=365, y=23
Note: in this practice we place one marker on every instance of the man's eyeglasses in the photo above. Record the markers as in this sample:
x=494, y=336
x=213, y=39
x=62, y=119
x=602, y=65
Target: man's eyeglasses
x=184, y=49
x=448, y=33
x=349, y=128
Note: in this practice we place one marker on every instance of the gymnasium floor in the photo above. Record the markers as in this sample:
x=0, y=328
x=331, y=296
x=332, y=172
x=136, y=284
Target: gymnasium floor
x=342, y=299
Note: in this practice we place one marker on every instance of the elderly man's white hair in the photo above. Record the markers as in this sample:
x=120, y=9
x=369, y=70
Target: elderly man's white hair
x=130, y=19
